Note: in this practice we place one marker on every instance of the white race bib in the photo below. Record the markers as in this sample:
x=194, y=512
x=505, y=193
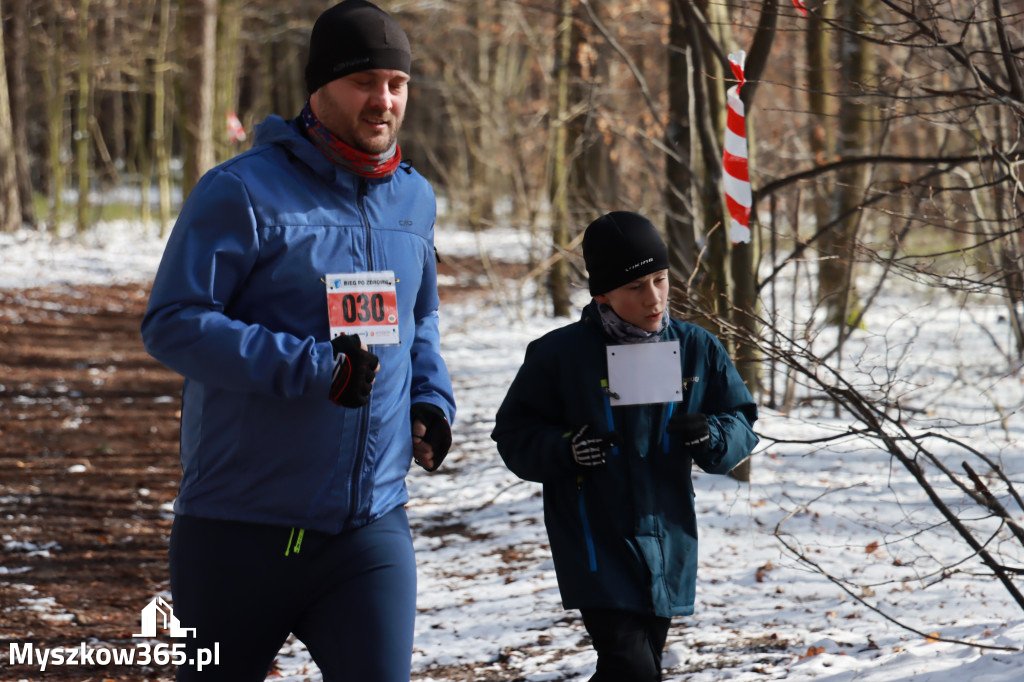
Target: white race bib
x=645, y=373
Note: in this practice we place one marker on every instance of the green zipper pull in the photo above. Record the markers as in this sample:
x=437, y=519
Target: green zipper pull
x=297, y=547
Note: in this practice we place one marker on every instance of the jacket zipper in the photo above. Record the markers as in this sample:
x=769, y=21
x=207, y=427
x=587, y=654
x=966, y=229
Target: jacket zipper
x=361, y=201
x=666, y=438
x=608, y=411
x=588, y=537
x=360, y=459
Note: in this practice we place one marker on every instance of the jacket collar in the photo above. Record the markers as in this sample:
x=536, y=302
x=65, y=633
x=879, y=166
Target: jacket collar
x=291, y=136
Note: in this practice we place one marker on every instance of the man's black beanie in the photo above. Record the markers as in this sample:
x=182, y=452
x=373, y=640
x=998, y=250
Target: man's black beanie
x=619, y=247
x=355, y=35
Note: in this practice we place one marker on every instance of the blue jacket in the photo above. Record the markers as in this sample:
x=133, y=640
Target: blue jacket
x=239, y=308
x=623, y=536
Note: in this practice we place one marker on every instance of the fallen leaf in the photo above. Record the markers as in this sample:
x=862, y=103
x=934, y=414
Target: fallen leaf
x=812, y=652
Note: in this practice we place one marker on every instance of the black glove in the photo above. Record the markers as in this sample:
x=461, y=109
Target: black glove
x=439, y=431
x=591, y=450
x=354, y=368
x=692, y=429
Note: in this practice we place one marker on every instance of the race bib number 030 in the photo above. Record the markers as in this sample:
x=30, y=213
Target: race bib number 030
x=363, y=303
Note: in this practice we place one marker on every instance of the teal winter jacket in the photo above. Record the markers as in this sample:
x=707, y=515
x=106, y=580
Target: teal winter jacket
x=239, y=308
x=623, y=536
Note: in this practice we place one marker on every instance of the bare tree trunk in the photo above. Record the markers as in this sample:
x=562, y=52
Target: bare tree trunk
x=743, y=256
x=836, y=289
x=161, y=127
x=229, y=49
x=481, y=157
x=709, y=113
x=83, y=136
x=1004, y=257
x=289, y=90
x=818, y=44
x=680, y=216
x=117, y=128
x=594, y=179
x=558, y=276
x=200, y=42
x=262, y=88
x=140, y=159
x=53, y=80
x=728, y=286
x=143, y=157
x=17, y=80
x=10, y=203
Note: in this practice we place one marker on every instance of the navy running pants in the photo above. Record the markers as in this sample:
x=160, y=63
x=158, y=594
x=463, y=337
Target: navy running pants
x=350, y=598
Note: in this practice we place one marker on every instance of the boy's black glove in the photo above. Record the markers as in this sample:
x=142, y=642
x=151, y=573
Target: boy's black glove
x=354, y=368
x=692, y=429
x=439, y=431
x=591, y=450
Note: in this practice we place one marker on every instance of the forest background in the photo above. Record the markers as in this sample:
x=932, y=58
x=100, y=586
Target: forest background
x=880, y=131
x=884, y=140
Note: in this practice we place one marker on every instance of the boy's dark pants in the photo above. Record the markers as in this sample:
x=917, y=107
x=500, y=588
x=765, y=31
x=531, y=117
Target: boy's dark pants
x=629, y=645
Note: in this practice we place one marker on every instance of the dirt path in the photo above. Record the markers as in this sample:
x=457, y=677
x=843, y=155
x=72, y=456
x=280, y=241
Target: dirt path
x=88, y=470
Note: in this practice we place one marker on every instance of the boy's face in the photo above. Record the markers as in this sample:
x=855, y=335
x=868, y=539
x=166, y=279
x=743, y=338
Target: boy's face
x=642, y=302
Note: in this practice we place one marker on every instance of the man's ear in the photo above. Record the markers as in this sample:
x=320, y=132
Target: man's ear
x=601, y=298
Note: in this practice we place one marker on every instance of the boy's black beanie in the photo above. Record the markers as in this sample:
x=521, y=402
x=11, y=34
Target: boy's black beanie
x=619, y=247
x=354, y=35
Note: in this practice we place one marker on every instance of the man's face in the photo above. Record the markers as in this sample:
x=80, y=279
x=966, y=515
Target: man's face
x=364, y=109
x=642, y=302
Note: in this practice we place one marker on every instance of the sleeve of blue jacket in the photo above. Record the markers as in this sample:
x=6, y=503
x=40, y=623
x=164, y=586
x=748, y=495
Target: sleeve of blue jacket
x=731, y=413
x=209, y=255
x=430, y=380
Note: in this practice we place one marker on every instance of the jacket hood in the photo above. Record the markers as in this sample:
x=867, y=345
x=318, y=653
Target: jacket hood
x=290, y=135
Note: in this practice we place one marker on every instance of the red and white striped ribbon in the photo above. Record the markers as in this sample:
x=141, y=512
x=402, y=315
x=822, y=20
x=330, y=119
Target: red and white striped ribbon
x=736, y=177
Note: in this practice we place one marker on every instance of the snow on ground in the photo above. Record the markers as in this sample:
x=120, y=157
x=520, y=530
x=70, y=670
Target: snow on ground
x=488, y=600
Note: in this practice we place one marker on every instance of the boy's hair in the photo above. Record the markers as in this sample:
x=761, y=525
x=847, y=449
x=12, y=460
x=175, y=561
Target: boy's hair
x=620, y=247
